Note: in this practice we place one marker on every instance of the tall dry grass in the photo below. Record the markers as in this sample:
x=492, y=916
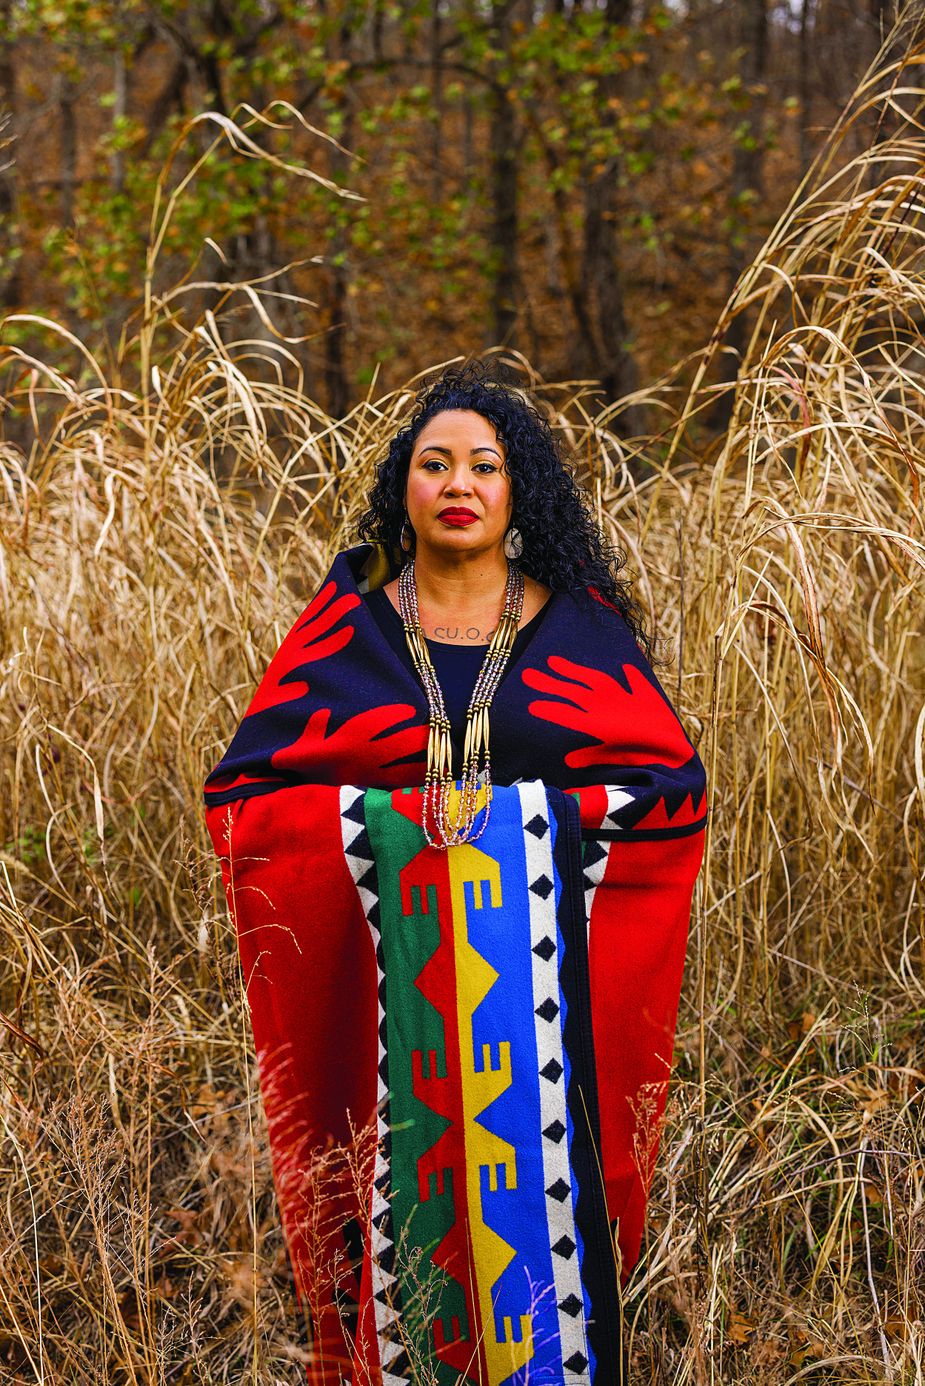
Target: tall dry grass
x=156, y=541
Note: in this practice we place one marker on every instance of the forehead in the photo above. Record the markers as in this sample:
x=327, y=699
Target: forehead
x=459, y=425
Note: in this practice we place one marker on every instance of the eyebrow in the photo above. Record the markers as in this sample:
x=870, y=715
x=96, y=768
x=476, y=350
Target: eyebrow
x=435, y=447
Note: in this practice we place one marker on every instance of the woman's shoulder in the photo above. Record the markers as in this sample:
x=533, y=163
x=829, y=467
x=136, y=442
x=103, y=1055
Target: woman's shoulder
x=592, y=610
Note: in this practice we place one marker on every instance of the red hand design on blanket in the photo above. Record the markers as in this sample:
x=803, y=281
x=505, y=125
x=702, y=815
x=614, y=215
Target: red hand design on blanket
x=311, y=638
x=351, y=751
x=635, y=728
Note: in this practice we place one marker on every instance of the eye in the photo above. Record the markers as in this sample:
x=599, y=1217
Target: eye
x=432, y=462
x=490, y=465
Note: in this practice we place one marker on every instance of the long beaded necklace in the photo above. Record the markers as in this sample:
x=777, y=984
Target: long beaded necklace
x=439, y=781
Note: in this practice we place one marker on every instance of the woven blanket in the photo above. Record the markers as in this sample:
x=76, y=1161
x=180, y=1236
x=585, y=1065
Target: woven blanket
x=463, y=1054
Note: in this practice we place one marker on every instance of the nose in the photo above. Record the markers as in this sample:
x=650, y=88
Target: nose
x=459, y=481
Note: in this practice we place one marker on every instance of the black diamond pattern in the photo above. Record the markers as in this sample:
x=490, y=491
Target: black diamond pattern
x=559, y=1191
x=542, y=886
x=548, y=1010
x=564, y=1247
x=572, y=1306
x=554, y=1131
x=537, y=826
x=545, y=948
x=576, y=1363
x=553, y=1070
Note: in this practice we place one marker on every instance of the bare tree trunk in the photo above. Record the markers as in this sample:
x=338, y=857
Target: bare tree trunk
x=468, y=157
x=335, y=339
x=9, y=264
x=882, y=16
x=747, y=173
x=67, y=133
x=170, y=98
x=376, y=30
x=119, y=111
x=436, y=61
x=609, y=358
x=804, y=90
x=604, y=350
x=504, y=225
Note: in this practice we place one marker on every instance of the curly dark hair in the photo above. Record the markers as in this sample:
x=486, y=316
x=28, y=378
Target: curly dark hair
x=563, y=546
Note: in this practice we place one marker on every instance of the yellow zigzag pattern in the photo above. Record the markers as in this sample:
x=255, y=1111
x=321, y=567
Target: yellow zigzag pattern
x=474, y=979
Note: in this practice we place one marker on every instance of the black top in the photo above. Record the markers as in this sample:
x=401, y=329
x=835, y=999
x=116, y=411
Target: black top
x=457, y=666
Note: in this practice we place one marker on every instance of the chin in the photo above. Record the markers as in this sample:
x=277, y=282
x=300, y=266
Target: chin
x=446, y=537
x=463, y=543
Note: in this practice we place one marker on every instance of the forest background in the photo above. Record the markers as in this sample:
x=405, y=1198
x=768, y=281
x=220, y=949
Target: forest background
x=232, y=237
x=583, y=182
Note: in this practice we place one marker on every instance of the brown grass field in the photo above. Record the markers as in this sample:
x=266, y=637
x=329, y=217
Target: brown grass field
x=167, y=523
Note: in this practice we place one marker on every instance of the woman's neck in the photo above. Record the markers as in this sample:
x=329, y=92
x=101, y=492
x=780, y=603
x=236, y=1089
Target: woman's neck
x=458, y=585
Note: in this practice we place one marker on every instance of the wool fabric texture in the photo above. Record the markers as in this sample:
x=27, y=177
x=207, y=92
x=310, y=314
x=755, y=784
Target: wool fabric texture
x=463, y=1054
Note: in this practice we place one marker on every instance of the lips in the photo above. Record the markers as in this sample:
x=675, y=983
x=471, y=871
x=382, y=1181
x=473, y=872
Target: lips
x=457, y=515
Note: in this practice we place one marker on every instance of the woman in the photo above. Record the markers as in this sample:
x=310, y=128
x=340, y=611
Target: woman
x=459, y=827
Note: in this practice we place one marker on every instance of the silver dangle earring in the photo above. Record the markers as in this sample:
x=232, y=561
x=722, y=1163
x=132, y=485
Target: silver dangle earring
x=513, y=543
x=406, y=535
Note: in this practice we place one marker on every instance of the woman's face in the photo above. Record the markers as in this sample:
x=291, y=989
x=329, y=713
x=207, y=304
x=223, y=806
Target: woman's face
x=458, y=465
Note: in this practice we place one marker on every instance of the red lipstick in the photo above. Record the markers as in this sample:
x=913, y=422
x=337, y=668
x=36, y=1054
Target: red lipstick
x=457, y=515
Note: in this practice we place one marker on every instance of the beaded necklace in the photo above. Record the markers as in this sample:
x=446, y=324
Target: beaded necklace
x=439, y=781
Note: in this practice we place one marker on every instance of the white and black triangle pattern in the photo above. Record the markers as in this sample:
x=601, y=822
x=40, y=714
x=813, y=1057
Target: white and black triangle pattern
x=557, y=1177
x=359, y=857
x=596, y=850
x=595, y=855
x=618, y=799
